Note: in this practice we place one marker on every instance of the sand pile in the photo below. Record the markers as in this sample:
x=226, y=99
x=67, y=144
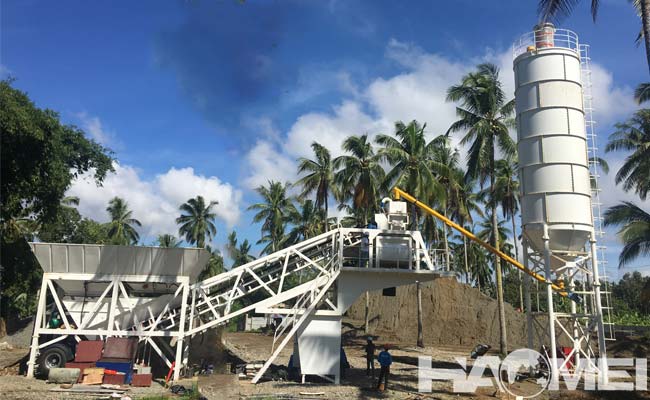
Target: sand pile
x=453, y=314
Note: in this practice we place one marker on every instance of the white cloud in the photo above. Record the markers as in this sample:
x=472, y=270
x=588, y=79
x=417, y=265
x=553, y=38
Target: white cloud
x=612, y=103
x=155, y=202
x=93, y=126
x=266, y=163
x=329, y=129
x=418, y=92
x=4, y=71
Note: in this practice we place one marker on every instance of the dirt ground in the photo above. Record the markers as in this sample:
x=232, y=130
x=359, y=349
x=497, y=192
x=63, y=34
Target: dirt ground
x=452, y=328
x=403, y=383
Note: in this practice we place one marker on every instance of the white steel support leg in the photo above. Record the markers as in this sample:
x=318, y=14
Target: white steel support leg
x=551, y=312
x=38, y=324
x=181, y=332
x=527, y=301
x=602, y=362
x=574, y=322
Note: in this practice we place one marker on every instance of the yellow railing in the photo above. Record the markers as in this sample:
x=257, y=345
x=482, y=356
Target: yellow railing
x=400, y=194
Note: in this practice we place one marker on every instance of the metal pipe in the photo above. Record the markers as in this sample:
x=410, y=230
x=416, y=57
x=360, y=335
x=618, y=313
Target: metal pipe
x=400, y=194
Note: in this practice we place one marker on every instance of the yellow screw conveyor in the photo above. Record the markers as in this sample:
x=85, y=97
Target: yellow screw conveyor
x=399, y=194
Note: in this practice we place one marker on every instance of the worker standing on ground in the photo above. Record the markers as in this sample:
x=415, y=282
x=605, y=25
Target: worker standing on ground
x=385, y=360
x=370, y=357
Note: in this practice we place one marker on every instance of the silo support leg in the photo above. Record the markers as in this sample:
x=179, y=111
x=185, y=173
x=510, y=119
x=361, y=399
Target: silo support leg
x=527, y=300
x=602, y=362
x=551, y=312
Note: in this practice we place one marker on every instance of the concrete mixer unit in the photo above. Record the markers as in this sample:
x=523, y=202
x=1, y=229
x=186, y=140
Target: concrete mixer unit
x=559, y=239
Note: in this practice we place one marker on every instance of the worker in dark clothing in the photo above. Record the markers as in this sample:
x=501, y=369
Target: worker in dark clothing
x=385, y=360
x=370, y=357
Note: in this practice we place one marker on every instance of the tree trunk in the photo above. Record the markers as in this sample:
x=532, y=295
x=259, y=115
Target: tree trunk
x=327, y=225
x=465, y=257
x=503, y=344
x=446, y=243
x=645, y=22
x=514, y=240
x=420, y=333
x=367, y=319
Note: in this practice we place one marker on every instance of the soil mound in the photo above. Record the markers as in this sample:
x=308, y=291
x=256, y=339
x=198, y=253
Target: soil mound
x=453, y=314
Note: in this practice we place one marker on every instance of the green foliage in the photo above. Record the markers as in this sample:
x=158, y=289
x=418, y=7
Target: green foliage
x=214, y=266
x=635, y=230
x=629, y=290
x=39, y=158
x=358, y=179
x=631, y=318
x=121, y=229
x=21, y=276
x=306, y=223
x=197, y=221
x=556, y=9
x=633, y=136
x=319, y=178
x=62, y=227
x=167, y=240
x=274, y=212
x=238, y=252
x=90, y=231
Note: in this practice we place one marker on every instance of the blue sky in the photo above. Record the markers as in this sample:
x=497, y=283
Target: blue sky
x=215, y=97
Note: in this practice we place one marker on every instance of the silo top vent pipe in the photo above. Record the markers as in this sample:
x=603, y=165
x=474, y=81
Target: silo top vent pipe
x=544, y=35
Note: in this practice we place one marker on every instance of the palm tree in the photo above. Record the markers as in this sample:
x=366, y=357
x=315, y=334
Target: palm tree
x=70, y=201
x=197, y=221
x=274, y=212
x=555, y=9
x=633, y=135
x=239, y=254
x=214, y=266
x=486, y=233
x=464, y=205
x=507, y=195
x=479, y=262
x=445, y=164
x=642, y=93
x=414, y=170
x=306, y=223
x=359, y=176
x=122, y=226
x=485, y=117
x=635, y=232
x=167, y=240
x=319, y=178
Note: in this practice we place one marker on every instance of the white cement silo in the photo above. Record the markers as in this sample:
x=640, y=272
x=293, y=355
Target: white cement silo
x=552, y=145
x=556, y=206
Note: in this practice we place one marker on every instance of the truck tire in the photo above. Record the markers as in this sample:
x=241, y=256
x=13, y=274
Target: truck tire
x=54, y=356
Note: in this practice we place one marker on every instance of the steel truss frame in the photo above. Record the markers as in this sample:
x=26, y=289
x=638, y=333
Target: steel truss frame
x=582, y=324
x=116, y=296
x=194, y=308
